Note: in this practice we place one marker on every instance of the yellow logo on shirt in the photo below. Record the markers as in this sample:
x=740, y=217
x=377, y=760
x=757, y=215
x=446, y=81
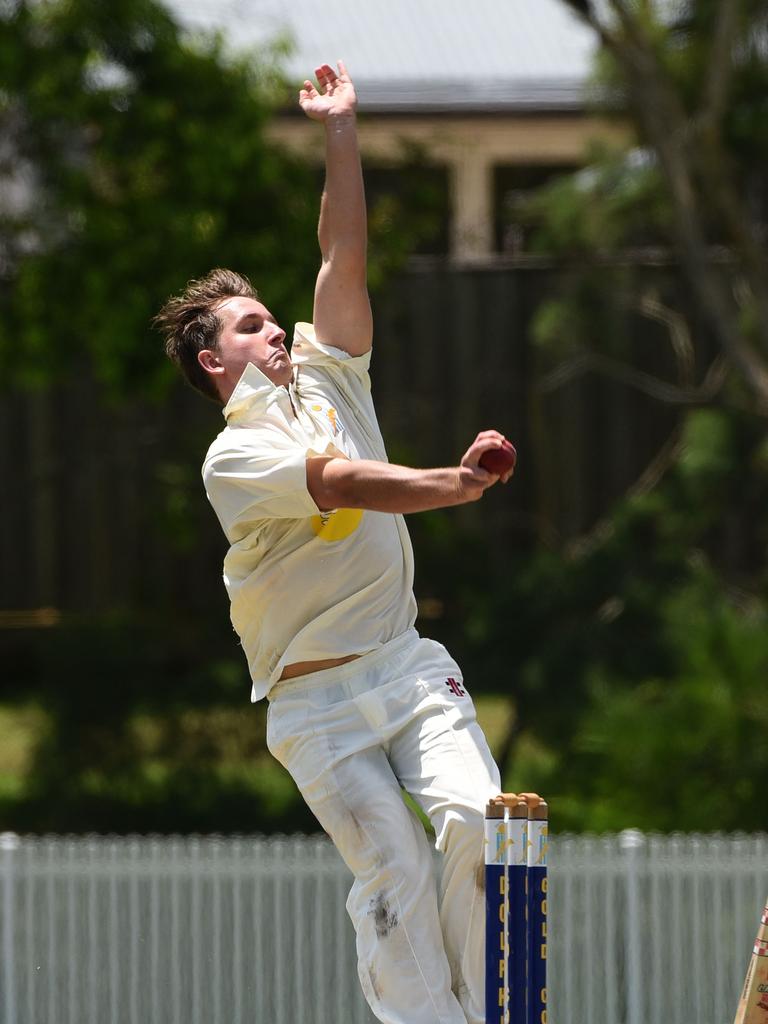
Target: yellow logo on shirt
x=338, y=524
x=332, y=417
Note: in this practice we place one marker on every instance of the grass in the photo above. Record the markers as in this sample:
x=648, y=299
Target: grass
x=22, y=729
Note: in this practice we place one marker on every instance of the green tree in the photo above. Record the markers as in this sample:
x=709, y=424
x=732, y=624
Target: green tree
x=137, y=161
x=135, y=158
x=636, y=660
x=643, y=704
x=692, y=79
x=686, y=750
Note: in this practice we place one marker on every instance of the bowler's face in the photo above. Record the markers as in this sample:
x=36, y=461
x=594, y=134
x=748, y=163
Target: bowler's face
x=250, y=334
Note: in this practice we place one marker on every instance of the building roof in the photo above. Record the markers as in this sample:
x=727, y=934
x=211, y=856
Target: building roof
x=419, y=55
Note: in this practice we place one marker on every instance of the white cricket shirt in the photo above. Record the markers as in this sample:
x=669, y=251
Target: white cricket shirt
x=305, y=585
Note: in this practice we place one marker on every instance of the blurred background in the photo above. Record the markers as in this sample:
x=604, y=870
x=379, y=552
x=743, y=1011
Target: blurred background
x=568, y=207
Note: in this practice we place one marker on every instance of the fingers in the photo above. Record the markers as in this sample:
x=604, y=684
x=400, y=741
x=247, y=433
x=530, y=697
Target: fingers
x=479, y=475
x=488, y=439
x=309, y=92
x=333, y=94
x=473, y=481
x=326, y=77
x=485, y=441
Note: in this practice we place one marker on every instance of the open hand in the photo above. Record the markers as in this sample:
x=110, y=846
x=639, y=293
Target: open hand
x=335, y=95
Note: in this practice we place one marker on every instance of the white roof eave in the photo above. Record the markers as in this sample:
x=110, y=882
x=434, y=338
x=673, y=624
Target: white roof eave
x=492, y=96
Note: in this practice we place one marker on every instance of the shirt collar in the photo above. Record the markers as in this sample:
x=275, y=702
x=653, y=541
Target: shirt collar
x=253, y=393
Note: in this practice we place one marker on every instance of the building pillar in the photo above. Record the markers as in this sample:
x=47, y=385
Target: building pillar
x=472, y=206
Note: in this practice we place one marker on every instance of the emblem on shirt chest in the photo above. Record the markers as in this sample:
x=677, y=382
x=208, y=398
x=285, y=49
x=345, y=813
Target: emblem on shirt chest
x=336, y=525
x=331, y=415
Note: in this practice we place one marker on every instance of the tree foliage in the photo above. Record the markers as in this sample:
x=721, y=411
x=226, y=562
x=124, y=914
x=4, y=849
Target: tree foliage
x=692, y=78
x=133, y=159
x=635, y=661
x=644, y=704
x=138, y=160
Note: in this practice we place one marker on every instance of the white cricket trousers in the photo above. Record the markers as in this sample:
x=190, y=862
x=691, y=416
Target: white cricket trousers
x=351, y=737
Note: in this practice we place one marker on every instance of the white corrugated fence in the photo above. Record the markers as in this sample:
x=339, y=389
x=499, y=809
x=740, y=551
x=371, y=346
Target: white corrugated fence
x=643, y=929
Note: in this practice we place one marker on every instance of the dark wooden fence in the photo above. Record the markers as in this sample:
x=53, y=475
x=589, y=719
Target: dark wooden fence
x=102, y=507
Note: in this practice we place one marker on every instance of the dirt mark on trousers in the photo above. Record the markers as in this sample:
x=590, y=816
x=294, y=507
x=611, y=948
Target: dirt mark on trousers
x=384, y=917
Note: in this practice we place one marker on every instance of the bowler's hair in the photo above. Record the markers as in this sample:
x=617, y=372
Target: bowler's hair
x=189, y=323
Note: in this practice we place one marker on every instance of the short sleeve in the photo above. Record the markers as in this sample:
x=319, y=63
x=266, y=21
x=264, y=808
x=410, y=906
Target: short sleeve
x=244, y=484
x=308, y=351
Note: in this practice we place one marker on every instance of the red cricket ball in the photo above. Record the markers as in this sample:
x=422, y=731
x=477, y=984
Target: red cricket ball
x=499, y=460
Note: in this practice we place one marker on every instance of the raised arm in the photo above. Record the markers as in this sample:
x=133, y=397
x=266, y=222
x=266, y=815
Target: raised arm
x=342, y=313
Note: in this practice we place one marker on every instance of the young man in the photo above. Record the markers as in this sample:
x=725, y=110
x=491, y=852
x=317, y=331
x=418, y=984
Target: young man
x=320, y=573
